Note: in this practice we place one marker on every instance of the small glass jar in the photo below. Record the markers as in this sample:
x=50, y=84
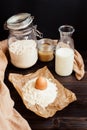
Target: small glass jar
x=64, y=54
x=22, y=41
x=45, y=50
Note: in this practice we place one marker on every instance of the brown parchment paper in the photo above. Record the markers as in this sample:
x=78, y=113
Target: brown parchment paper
x=63, y=99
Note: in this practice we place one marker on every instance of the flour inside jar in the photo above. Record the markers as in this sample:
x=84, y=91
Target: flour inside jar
x=23, y=53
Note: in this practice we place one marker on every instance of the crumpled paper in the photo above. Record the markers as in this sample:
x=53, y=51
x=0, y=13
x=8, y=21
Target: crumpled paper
x=64, y=96
x=10, y=119
x=79, y=67
x=3, y=64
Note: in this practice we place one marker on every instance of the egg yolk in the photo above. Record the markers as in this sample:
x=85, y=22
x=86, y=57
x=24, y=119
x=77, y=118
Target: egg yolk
x=41, y=83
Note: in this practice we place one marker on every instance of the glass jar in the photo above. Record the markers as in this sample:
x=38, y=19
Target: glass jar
x=45, y=49
x=22, y=40
x=64, y=54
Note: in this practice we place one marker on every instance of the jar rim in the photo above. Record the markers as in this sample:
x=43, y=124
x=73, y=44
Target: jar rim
x=47, y=42
x=19, y=21
x=66, y=29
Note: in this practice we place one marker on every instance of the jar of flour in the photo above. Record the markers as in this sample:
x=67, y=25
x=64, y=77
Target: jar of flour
x=22, y=41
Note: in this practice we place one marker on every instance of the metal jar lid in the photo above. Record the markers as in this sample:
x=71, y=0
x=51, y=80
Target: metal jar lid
x=19, y=21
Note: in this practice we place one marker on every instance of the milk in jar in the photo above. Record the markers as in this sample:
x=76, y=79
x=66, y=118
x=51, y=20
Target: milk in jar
x=64, y=54
x=64, y=59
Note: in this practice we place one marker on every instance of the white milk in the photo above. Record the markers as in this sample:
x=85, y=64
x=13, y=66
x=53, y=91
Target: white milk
x=64, y=59
x=23, y=53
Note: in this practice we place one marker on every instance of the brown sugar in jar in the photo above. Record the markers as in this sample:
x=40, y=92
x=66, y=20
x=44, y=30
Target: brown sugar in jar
x=45, y=51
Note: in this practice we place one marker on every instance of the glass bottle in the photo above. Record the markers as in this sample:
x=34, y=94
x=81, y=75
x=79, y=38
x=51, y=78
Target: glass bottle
x=22, y=41
x=64, y=54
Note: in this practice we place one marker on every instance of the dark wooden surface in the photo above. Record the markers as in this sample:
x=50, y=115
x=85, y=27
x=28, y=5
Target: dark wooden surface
x=73, y=117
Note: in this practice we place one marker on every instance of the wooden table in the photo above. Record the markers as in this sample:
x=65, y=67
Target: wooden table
x=73, y=117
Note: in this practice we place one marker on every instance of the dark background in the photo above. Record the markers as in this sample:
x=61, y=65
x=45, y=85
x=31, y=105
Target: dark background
x=49, y=15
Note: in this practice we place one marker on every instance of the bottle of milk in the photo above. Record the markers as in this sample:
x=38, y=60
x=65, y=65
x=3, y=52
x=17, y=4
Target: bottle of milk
x=64, y=53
